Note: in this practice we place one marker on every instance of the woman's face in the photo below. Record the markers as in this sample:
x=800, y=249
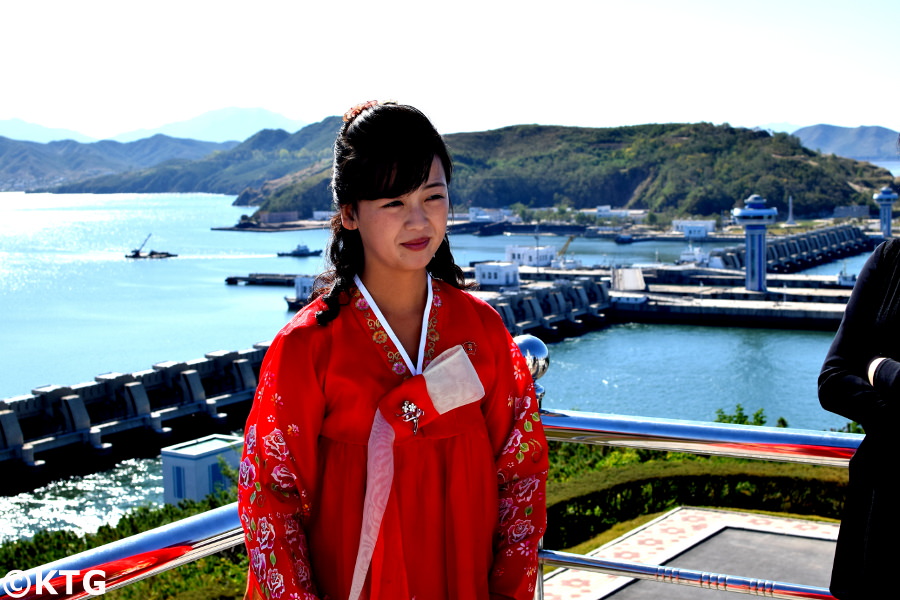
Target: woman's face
x=402, y=234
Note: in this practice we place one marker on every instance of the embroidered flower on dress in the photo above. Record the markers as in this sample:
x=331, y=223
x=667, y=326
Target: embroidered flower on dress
x=361, y=303
x=250, y=440
x=265, y=534
x=283, y=477
x=245, y=522
x=275, y=445
x=246, y=473
x=523, y=405
x=293, y=430
x=276, y=398
x=519, y=531
x=305, y=506
x=302, y=571
x=513, y=442
x=258, y=564
x=508, y=510
x=436, y=301
x=275, y=584
x=518, y=371
x=291, y=528
x=379, y=337
x=399, y=368
x=526, y=487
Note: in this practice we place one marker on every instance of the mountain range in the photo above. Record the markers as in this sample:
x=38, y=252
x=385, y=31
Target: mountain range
x=862, y=143
x=227, y=124
x=270, y=154
x=30, y=165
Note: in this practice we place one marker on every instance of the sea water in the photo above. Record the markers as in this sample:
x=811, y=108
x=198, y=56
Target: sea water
x=72, y=307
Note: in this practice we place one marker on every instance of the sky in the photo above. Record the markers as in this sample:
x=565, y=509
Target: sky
x=103, y=67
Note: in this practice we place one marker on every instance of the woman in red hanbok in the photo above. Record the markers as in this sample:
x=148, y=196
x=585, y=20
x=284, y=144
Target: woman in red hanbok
x=394, y=450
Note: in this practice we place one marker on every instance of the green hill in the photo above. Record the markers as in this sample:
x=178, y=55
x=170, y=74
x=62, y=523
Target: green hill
x=697, y=169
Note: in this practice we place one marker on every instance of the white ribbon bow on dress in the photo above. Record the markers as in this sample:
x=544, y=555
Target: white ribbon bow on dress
x=451, y=381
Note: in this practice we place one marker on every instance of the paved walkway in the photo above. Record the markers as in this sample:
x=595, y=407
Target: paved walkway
x=725, y=542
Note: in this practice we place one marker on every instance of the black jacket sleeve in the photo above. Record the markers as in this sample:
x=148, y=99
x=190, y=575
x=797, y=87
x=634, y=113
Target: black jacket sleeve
x=865, y=333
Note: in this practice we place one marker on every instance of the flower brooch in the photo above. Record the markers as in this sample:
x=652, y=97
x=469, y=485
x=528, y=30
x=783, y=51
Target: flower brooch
x=411, y=413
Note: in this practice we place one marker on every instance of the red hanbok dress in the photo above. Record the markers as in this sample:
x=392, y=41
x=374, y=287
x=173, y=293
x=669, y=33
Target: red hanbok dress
x=464, y=503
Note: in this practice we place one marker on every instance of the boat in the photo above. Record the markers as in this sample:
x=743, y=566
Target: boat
x=136, y=253
x=151, y=254
x=691, y=255
x=301, y=250
x=845, y=279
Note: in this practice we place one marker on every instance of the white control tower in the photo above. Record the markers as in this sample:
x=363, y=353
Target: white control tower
x=885, y=199
x=755, y=217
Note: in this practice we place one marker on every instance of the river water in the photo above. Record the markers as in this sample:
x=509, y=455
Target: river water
x=73, y=307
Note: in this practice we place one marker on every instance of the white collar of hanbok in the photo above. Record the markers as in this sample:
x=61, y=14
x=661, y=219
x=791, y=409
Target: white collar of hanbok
x=415, y=369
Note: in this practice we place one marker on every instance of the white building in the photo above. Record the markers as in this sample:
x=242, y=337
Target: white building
x=193, y=469
x=490, y=215
x=322, y=215
x=497, y=274
x=606, y=211
x=530, y=256
x=694, y=229
x=303, y=286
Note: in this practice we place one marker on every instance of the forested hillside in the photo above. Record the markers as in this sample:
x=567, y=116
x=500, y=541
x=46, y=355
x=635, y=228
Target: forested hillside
x=698, y=169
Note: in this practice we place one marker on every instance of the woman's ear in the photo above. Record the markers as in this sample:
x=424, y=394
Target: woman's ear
x=348, y=219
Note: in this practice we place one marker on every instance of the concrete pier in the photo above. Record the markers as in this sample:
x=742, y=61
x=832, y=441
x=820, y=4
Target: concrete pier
x=792, y=253
x=126, y=414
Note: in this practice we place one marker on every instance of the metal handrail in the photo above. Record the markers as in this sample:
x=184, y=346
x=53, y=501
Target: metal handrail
x=701, y=579
x=164, y=548
x=697, y=437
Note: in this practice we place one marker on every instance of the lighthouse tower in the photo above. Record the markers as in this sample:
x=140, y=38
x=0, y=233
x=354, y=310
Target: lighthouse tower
x=885, y=199
x=755, y=217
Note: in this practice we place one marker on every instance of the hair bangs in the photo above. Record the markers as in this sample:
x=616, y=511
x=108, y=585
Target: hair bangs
x=396, y=176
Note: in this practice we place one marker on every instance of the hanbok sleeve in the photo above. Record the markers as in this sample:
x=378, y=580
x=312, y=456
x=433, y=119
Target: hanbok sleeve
x=278, y=471
x=514, y=421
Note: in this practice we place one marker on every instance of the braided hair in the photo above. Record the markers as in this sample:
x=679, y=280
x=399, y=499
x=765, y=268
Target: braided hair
x=383, y=150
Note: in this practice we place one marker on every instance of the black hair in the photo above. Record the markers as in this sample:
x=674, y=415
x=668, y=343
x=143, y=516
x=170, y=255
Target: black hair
x=382, y=151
